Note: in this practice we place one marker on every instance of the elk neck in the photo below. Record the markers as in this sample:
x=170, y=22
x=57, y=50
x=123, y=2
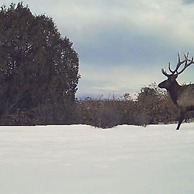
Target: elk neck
x=174, y=90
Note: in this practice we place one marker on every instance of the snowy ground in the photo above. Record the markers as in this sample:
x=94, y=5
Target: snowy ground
x=85, y=160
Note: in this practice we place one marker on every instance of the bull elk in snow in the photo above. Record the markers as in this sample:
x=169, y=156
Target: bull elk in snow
x=181, y=95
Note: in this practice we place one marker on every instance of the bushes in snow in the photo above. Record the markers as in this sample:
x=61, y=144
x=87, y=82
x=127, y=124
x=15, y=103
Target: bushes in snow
x=151, y=106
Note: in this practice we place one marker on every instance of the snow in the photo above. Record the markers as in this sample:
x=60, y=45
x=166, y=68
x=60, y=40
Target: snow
x=80, y=159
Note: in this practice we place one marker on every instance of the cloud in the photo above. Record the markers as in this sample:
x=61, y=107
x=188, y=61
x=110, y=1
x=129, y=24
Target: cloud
x=116, y=80
x=126, y=31
x=188, y=1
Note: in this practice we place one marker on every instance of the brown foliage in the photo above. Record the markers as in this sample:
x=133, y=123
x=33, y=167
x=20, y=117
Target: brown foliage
x=151, y=106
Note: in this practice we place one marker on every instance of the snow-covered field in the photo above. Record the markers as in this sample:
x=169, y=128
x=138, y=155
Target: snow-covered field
x=80, y=159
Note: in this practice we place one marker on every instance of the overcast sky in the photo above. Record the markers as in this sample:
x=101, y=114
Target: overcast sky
x=122, y=44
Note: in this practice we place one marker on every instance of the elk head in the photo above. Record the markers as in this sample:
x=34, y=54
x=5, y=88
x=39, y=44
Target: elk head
x=181, y=95
x=172, y=76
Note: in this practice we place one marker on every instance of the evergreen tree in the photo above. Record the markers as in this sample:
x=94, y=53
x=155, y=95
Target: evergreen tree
x=38, y=68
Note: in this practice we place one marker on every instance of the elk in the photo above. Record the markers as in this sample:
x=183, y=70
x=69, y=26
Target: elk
x=181, y=95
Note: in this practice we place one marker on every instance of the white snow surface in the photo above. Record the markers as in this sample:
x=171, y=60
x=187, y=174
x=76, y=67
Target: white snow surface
x=80, y=159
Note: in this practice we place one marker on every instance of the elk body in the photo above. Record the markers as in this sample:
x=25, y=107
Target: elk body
x=181, y=95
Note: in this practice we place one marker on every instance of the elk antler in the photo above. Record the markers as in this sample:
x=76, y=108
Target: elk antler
x=186, y=61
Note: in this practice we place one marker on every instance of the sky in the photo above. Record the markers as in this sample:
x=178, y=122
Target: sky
x=122, y=44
